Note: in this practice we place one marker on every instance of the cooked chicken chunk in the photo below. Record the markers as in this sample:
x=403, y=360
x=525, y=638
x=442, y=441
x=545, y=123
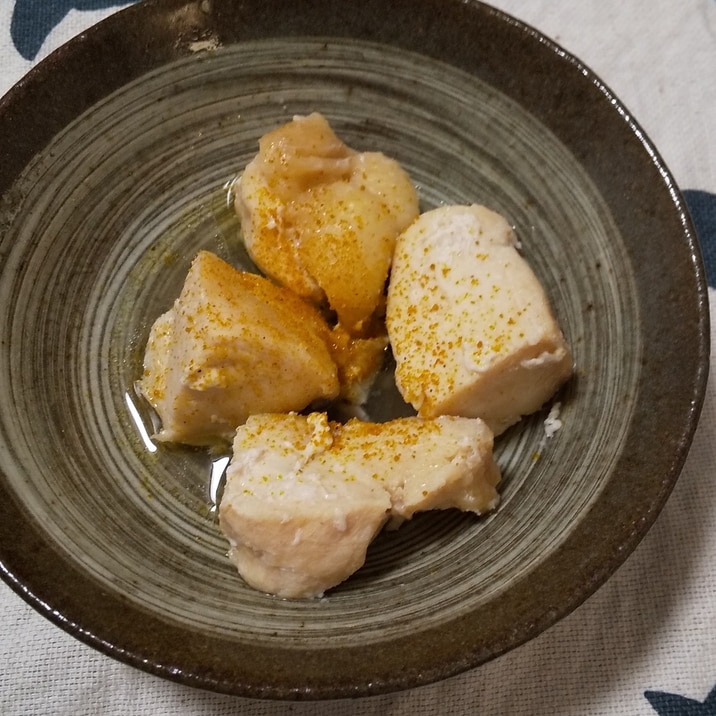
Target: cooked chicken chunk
x=322, y=219
x=358, y=361
x=233, y=344
x=304, y=497
x=470, y=325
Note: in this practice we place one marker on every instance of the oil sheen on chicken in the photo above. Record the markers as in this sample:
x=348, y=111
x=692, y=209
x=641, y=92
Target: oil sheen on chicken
x=322, y=219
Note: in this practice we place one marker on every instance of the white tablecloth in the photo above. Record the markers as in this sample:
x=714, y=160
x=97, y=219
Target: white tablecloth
x=645, y=643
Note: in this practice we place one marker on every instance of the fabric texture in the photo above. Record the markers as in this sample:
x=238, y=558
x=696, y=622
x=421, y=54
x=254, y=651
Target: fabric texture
x=645, y=643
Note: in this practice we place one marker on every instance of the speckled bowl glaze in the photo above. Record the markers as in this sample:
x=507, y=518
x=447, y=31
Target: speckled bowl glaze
x=116, y=154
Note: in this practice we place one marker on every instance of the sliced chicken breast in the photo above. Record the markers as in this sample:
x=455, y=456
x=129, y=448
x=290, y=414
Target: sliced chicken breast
x=233, y=344
x=470, y=325
x=304, y=497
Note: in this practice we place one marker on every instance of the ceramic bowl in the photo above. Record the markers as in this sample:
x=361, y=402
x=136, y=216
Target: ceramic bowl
x=116, y=154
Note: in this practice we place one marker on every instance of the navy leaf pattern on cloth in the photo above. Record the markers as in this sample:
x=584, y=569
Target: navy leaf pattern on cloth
x=666, y=704
x=33, y=20
x=702, y=207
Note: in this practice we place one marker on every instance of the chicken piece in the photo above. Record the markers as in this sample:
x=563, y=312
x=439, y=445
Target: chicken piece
x=358, y=361
x=304, y=497
x=296, y=527
x=233, y=344
x=322, y=219
x=470, y=325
